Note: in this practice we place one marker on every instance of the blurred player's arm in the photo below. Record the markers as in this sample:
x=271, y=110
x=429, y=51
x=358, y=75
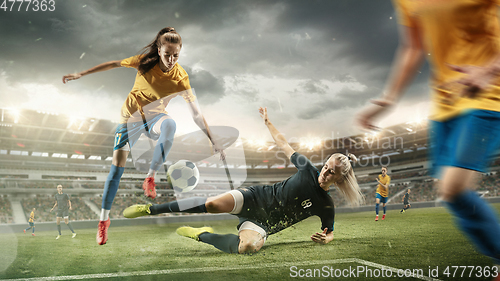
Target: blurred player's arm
x=277, y=136
x=202, y=124
x=98, y=68
x=323, y=237
x=55, y=205
x=407, y=61
x=69, y=204
x=477, y=78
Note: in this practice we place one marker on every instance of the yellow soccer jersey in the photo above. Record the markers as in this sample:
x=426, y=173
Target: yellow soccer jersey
x=386, y=181
x=152, y=86
x=458, y=32
x=32, y=217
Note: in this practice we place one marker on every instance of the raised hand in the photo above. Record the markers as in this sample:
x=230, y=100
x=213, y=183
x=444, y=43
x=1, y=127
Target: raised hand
x=263, y=114
x=70, y=77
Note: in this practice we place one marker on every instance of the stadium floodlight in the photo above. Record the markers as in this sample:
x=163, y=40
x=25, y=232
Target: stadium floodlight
x=15, y=113
x=261, y=143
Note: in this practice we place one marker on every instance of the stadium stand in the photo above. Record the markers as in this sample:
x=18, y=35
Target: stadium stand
x=40, y=150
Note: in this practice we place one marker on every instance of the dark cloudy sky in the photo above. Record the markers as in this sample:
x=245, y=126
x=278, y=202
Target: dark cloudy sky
x=313, y=63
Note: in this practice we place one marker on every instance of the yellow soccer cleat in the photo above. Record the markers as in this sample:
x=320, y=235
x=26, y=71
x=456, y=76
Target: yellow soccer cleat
x=192, y=232
x=136, y=211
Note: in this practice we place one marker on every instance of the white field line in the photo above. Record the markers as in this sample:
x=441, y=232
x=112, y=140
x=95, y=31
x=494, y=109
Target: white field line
x=215, y=269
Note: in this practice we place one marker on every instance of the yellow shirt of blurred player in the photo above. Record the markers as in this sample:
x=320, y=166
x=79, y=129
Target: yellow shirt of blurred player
x=153, y=86
x=386, y=181
x=32, y=217
x=458, y=32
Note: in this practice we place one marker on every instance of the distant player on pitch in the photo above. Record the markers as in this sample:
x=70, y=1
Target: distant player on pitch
x=63, y=205
x=382, y=191
x=406, y=202
x=31, y=222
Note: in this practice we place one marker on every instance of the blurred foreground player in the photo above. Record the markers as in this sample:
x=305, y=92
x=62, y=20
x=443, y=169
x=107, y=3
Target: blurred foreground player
x=159, y=79
x=461, y=39
x=265, y=210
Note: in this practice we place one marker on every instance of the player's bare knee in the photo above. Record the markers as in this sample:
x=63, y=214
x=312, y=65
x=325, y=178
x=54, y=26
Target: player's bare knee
x=212, y=206
x=249, y=246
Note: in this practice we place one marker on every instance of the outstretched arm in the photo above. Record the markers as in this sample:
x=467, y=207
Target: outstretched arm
x=277, y=136
x=98, y=68
x=202, y=124
x=408, y=59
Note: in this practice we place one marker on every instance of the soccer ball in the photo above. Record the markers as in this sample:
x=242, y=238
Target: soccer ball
x=183, y=176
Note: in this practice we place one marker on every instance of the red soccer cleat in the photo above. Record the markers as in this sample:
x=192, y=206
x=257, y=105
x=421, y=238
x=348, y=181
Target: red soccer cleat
x=383, y=217
x=376, y=218
x=149, y=187
x=25, y=231
x=33, y=234
x=102, y=232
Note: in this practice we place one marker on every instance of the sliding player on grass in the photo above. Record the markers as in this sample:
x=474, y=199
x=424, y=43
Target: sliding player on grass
x=265, y=210
x=461, y=40
x=159, y=78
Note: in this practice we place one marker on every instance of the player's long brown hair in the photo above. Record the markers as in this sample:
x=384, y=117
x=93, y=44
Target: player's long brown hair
x=348, y=186
x=149, y=54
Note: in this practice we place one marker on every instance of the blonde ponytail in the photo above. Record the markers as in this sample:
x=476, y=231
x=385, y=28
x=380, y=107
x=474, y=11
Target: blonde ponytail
x=348, y=186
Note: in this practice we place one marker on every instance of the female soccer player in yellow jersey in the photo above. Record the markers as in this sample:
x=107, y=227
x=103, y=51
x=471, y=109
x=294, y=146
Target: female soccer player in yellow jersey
x=382, y=191
x=461, y=39
x=159, y=78
x=31, y=222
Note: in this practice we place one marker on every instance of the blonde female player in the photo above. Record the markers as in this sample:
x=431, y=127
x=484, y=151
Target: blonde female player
x=265, y=210
x=460, y=39
x=159, y=78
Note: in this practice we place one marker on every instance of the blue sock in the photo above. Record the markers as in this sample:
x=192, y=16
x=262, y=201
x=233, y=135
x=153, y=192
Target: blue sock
x=164, y=144
x=111, y=186
x=478, y=221
x=384, y=209
x=33, y=230
x=188, y=205
x=376, y=209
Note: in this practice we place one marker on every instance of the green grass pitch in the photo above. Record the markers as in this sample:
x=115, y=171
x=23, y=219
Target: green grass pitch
x=418, y=239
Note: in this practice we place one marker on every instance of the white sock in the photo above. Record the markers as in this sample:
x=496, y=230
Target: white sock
x=104, y=215
x=151, y=173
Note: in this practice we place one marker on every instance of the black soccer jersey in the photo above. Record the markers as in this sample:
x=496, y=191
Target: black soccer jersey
x=62, y=201
x=406, y=198
x=285, y=203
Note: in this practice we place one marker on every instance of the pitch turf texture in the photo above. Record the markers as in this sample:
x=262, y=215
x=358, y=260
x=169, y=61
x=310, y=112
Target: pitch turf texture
x=418, y=239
